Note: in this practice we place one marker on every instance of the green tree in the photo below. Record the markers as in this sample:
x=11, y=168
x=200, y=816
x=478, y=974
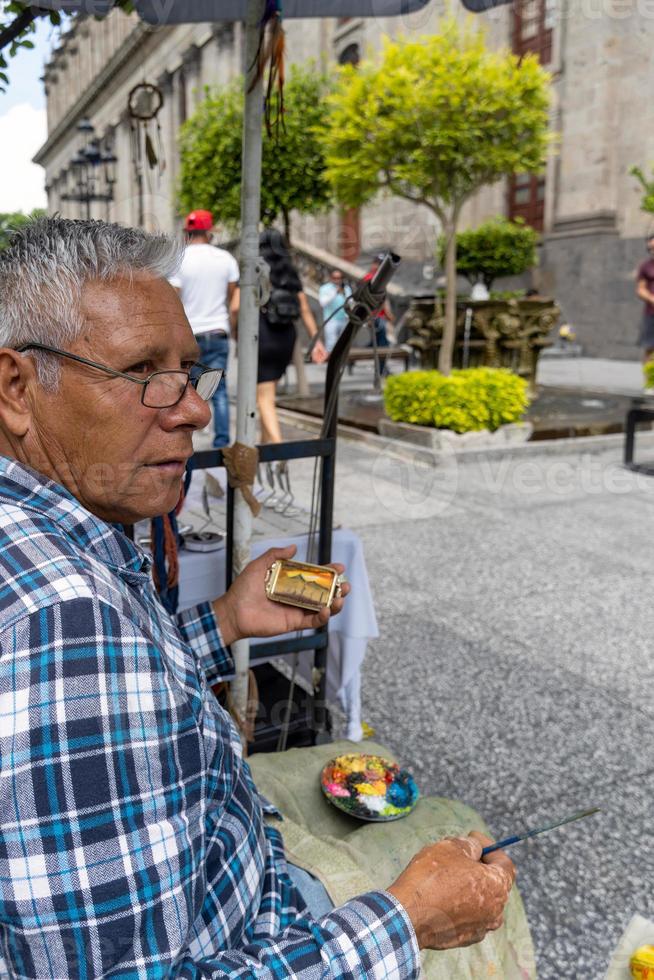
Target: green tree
x=18, y=23
x=293, y=164
x=647, y=200
x=12, y=221
x=433, y=121
x=495, y=249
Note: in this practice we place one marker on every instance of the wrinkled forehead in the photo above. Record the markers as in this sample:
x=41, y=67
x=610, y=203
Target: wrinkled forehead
x=130, y=310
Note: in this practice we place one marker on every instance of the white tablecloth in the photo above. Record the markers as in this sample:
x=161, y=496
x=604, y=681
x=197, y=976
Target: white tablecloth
x=202, y=577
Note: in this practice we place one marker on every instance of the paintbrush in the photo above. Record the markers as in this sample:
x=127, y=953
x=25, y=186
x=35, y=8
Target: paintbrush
x=537, y=830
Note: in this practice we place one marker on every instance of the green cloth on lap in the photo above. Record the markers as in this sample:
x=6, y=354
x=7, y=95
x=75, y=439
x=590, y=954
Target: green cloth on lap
x=351, y=857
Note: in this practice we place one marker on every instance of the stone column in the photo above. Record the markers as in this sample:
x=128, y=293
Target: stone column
x=168, y=180
x=191, y=66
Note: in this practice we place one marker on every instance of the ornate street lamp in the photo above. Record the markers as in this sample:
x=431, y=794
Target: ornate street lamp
x=92, y=170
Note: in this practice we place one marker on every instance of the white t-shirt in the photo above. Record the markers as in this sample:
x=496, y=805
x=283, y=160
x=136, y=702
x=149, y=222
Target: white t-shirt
x=203, y=278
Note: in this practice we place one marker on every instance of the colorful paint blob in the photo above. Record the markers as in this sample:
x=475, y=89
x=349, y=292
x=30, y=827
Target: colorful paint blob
x=369, y=787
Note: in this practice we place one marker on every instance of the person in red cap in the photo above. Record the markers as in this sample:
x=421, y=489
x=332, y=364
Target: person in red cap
x=206, y=282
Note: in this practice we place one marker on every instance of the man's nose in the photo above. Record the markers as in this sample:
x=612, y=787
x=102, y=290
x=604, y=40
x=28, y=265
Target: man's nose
x=191, y=410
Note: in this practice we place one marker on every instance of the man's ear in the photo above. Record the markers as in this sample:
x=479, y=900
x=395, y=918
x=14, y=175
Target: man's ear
x=17, y=377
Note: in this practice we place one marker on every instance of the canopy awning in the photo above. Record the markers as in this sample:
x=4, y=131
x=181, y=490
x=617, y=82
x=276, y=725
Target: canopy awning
x=198, y=11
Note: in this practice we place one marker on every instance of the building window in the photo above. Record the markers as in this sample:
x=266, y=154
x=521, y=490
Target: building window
x=533, y=21
x=527, y=199
x=533, y=24
x=349, y=245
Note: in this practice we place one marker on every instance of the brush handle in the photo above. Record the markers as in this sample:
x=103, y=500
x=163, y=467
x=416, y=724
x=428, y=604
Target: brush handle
x=500, y=844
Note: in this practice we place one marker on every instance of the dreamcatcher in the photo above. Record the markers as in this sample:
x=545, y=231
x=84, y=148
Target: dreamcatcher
x=270, y=53
x=144, y=104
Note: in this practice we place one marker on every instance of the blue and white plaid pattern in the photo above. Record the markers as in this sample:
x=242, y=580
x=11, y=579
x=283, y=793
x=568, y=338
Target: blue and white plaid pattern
x=132, y=839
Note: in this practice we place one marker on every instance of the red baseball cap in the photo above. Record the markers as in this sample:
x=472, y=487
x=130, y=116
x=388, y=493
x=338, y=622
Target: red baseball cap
x=198, y=221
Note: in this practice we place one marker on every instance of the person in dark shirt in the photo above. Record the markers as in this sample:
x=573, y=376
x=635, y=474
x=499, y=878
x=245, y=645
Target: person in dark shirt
x=645, y=291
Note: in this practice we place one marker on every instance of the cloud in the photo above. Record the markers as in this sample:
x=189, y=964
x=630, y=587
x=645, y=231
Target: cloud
x=23, y=129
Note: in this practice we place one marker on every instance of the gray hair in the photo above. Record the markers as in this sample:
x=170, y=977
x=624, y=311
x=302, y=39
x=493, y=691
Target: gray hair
x=45, y=267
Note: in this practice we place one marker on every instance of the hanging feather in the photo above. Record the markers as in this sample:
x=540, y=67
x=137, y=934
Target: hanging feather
x=270, y=54
x=274, y=104
x=150, y=152
x=160, y=150
x=165, y=541
x=136, y=147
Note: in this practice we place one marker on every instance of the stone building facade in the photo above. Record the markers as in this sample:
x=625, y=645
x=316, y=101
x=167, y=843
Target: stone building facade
x=586, y=204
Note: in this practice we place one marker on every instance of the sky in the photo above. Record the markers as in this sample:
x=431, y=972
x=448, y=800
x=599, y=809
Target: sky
x=23, y=126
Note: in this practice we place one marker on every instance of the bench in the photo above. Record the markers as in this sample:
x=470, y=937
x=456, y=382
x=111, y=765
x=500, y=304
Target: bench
x=642, y=410
x=398, y=353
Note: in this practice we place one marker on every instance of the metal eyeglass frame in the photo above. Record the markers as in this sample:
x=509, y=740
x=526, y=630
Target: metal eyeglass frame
x=121, y=374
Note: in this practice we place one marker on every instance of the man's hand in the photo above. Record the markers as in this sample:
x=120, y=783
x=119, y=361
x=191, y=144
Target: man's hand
x=245, y=609
x=451, y=896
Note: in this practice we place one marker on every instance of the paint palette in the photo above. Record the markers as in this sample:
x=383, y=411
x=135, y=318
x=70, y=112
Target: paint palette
x=369, y=787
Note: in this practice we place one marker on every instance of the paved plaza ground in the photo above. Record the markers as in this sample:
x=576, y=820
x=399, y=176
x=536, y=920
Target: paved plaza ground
x=591, y=372
x=514, y=668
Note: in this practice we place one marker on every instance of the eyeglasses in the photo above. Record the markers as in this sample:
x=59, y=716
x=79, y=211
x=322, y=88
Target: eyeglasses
x=162, y=389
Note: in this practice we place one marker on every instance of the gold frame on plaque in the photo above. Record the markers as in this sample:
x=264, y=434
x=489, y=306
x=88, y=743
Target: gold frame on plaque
x=298, y=583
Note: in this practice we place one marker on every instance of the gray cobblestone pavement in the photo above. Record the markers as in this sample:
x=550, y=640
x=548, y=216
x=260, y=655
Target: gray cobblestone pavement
x=514, y=668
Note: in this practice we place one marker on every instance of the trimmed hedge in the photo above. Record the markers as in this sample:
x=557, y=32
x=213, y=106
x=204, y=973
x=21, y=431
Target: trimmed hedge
x=648, y=371
x=464, y=401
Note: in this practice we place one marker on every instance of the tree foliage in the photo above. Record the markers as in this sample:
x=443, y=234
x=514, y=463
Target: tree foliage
x=12, y=221
x=18, y=23
x=495, y=249
x=647, y=200
x=293, y=165
x=433, y=121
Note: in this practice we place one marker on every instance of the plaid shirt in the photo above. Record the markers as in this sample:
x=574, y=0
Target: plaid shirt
x=133, y=842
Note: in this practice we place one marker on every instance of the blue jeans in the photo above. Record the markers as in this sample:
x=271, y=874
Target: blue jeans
x=380, y=332
x=214, y=352
x=312, y=891
x=381, y=340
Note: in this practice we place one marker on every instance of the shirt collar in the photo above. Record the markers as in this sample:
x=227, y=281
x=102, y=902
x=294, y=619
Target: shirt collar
x=20, y=484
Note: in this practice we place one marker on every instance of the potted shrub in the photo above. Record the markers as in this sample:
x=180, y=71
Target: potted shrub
x=471, y=407
x=497, y=248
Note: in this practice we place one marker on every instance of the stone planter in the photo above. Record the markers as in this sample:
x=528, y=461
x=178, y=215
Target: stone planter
x=513, y=434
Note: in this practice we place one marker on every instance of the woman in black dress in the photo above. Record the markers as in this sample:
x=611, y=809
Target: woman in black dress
x=277, y=328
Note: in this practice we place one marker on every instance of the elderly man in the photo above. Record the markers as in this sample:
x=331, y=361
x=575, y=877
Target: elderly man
x=133, y=839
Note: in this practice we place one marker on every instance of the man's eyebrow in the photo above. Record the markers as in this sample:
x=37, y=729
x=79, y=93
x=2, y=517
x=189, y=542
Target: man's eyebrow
x=158, y=353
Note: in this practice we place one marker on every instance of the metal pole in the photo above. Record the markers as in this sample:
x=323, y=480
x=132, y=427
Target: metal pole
x=248, y=320
x=466, y=337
